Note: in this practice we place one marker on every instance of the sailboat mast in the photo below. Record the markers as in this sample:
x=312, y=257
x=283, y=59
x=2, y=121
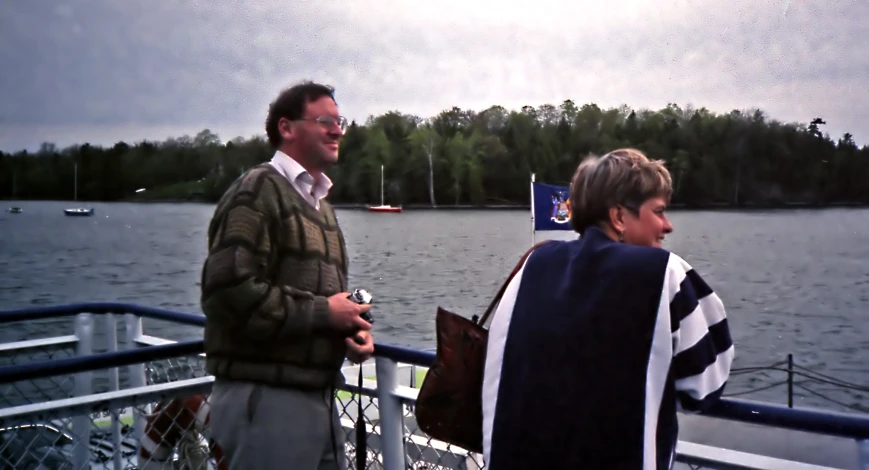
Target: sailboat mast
x=430, y=172
x=381, y=185
x=75, y=181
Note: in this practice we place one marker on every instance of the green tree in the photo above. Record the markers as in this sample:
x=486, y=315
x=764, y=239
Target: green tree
x=460, y=156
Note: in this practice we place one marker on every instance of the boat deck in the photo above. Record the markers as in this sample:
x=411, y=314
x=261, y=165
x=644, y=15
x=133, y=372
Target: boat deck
x=83, y=400
x=796, y=446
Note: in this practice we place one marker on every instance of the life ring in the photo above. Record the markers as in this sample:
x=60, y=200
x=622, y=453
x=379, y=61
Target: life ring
x=179, y=423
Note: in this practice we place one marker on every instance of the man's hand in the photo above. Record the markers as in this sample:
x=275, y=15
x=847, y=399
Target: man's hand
x=360, y=347
x=344, y=313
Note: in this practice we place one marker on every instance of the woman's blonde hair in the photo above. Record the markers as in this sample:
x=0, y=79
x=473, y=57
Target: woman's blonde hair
x=622, y=177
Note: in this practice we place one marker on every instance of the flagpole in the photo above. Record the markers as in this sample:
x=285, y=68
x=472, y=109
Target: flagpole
x=532, y=210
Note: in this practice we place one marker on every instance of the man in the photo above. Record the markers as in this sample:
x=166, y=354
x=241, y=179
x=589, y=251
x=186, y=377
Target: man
x=274, y=292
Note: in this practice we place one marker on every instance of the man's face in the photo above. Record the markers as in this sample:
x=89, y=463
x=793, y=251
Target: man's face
x=316, y=135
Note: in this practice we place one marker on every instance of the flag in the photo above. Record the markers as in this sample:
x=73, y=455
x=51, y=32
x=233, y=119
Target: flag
x=550, y=206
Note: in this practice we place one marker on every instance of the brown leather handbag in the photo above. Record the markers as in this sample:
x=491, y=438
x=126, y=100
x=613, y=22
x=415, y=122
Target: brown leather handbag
x=449, y=406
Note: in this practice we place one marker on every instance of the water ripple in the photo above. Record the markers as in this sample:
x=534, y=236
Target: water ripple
x=792, y=281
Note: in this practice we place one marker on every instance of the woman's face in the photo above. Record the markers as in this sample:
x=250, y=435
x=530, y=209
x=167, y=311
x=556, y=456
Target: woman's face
x=649, y=225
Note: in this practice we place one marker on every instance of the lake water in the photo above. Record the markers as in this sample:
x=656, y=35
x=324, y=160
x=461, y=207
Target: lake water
x=794, y=281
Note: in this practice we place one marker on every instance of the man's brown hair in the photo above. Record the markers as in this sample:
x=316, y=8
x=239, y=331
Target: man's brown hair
x=291, y=104
x=623, y=177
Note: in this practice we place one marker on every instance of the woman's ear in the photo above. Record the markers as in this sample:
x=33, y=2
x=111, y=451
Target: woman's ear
x=617, y=219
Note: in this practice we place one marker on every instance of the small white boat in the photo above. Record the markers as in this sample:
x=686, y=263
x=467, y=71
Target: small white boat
x=383, y=207
x=15, y=210
x=81, y=212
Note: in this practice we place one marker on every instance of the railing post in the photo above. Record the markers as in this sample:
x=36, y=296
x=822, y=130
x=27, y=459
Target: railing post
x=114, y=384
x=83, y=383
x=391, y=415
x=790, y=380
x=136, y=372
x=413, y=376
x=863, y=454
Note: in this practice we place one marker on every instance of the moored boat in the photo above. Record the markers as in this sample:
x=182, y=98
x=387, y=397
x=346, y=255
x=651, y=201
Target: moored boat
x=383, y=207
x=79, y=211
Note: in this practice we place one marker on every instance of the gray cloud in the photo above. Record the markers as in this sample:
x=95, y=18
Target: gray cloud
x=102, y=71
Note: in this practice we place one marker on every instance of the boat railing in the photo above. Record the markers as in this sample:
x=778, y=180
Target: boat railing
x=84, y=401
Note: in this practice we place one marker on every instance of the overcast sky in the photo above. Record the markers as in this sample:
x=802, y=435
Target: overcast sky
x=101, y=71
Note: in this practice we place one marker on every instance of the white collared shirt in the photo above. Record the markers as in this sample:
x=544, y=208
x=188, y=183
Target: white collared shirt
x=301, y=179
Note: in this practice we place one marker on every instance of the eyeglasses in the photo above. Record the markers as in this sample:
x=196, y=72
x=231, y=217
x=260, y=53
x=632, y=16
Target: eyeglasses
x=329, y=121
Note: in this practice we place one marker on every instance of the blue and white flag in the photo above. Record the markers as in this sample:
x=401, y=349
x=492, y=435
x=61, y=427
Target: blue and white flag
x=551, y=207
x=591, y=350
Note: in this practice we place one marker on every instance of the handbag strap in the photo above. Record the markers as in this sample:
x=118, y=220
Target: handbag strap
x=507, y=282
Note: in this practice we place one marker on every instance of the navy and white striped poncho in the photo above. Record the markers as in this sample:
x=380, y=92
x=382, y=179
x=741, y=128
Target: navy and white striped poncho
x=591, y=348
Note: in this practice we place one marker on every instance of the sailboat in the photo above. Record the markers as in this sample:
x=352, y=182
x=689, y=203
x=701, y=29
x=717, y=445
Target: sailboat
x=15, y=209
x=383, y=207
x=77, y=211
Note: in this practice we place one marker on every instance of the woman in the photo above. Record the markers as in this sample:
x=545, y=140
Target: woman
x=598, y=340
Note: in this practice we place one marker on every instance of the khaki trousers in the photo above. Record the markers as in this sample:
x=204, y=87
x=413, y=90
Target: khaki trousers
x=259, y=427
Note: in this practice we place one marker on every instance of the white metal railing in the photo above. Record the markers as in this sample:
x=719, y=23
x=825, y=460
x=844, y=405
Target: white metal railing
x=118, y=415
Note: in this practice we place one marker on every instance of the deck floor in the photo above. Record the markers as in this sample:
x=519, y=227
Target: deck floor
x=773, y=442
x=762, y=440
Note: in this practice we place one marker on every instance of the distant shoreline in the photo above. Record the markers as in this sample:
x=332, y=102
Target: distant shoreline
x=672, y=208
x=499, y=207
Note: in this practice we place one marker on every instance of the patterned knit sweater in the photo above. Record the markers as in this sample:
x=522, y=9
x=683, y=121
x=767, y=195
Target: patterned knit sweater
x=272, y=262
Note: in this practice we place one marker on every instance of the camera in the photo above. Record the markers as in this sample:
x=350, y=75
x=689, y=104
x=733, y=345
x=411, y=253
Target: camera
x=361, y=296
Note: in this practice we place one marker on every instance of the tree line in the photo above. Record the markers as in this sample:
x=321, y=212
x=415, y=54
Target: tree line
x=480, y=158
